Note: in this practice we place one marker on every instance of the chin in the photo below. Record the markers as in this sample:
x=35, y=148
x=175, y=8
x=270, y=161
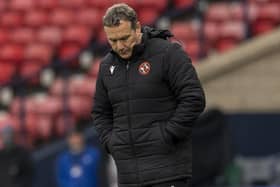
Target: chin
x=126, y=56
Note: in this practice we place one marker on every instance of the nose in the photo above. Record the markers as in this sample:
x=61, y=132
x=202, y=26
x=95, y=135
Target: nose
x=120, y=45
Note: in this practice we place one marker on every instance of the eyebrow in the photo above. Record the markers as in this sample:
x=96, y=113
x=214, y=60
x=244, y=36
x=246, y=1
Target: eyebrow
x=115, y=39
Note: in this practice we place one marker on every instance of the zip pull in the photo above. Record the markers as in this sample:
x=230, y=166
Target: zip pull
x=127, y=65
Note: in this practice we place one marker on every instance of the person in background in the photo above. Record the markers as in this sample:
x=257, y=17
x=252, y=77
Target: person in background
x=16, y=165
x=79, y=165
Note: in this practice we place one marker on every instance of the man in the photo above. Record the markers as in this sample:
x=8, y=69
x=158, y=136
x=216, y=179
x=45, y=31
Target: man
x=147, y=98
x=78, y=167
x=16, y=166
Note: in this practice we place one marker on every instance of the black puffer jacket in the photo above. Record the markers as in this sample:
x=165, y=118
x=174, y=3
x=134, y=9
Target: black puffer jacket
x=144, y=110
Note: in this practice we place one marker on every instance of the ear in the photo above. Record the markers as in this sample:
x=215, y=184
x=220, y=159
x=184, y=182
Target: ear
x=138, y=27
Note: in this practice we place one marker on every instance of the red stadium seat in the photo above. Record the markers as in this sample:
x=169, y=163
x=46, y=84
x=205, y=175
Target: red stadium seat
x=12, y=52
x=184, y=31
x=3, y=5
x=253, y=11
x=259, y=1
x=57, y=87
x=262, y=27
x=80, y=106
x=235, y=30
x=102, y=38
x=226, y=44
x=28, y=105
x=183, y=3
x=77, y=34
x=7, y=119
x=44, y=127
x=38, y=53
x=4, y=36
x=192, y=47
x=11, y=19
x=7, y=71
x=61, y=17
x=90, y=17
x=100, y=4
x=31, y=70
x=94, y=68
x=72, y=3
x=44, y=109
x=218, y=12
x=157, y=6
x=269, y=11
x=49, y=35
x=40, y=113
x=36, y=18
x=48, y=105
x=132, y=3
x=82, y=86
x=69, y=51
x=22, y=36
x=22, y=5
x=237, y=11
x=30, y=122
x=47, y=4
x=211, y=31
x=63, y=123
x=147, y=16
x=264, y=17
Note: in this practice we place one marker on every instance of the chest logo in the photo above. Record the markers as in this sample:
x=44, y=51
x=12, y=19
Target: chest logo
x=112, y=69
x=144, y=68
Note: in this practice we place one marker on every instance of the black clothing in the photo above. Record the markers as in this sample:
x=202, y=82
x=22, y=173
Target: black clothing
x=144, y=110
x=16, y=167
x=176, y=183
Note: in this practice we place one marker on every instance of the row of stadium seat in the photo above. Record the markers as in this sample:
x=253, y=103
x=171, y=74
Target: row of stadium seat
x=46, y=115
x=26, y=48
x=224, y=26
x=26, y=5
x=228, y=18
x=58, y=17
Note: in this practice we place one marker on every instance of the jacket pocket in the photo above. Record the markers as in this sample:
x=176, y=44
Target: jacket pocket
x=165, y=138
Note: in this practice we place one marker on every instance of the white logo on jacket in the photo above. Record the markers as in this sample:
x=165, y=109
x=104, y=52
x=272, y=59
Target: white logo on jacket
x=112, y=69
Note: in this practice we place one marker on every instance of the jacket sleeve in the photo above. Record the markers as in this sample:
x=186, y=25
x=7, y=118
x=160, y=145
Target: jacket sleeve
x=102, y=112
x=185, y=85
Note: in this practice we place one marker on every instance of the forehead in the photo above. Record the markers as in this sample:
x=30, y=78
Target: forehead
x=124, y=28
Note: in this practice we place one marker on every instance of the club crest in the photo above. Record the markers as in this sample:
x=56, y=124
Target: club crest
x=144, y=68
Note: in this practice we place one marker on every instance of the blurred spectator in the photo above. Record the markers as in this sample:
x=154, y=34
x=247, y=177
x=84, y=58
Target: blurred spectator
x=78, y=166
x=16, y=165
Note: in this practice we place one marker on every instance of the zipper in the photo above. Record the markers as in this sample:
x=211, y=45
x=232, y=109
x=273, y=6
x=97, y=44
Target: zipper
x=129, y=119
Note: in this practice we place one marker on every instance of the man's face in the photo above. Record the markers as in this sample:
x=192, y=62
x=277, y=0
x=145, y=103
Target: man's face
x=122, y=38
x=75, y=142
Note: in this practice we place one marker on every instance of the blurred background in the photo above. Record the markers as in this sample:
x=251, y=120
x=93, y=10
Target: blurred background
x=50, y=52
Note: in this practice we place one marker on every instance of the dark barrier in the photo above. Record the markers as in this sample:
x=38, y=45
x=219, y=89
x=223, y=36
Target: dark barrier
x=255, y=134
x=211, y=148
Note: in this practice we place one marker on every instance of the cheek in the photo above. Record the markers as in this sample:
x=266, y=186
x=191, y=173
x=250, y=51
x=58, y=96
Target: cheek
x=131, y=43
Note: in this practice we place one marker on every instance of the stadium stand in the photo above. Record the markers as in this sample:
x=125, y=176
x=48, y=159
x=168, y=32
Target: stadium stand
x=66, y=37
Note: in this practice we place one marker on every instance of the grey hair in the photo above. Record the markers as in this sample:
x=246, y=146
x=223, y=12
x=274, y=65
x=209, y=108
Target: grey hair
x=119, y=12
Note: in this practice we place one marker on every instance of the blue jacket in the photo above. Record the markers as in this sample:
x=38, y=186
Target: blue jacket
x=78, y=170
